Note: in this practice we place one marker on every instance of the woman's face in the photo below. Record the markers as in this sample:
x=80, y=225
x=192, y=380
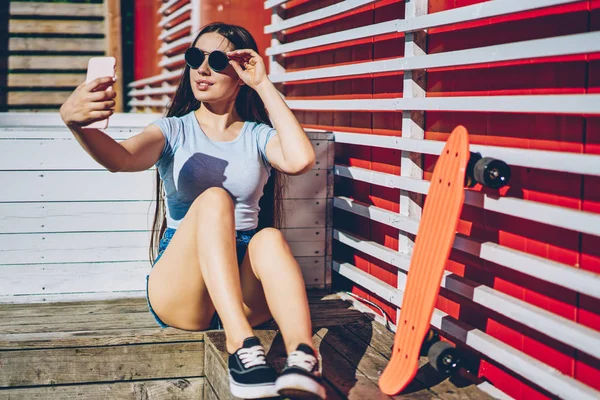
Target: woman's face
x=208, y=85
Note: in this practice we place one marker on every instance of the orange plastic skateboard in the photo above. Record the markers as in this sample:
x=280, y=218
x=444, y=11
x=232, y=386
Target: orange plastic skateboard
x=434, y=240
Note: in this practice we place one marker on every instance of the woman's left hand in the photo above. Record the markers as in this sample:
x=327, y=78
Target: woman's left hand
x=249, y=66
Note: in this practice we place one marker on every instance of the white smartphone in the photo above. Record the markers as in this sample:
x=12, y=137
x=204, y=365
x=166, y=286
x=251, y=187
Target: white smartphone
x=99, y=67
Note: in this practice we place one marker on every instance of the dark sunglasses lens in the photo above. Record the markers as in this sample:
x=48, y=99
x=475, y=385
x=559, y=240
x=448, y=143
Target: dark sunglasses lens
x=218, y=60
x=194, y=57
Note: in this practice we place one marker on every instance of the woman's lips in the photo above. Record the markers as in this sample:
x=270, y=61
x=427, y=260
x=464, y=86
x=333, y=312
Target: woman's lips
x=203, y=85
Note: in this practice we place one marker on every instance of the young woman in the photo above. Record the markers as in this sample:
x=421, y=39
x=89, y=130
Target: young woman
x=214, y=152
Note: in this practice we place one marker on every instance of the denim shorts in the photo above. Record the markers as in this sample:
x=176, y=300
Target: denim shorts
x=242, y=240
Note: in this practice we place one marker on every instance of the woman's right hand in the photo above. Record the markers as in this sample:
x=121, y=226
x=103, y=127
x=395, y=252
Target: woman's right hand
x=88, y=103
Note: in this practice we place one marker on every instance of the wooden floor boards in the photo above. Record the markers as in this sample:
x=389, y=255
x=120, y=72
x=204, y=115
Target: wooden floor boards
x=114, y=349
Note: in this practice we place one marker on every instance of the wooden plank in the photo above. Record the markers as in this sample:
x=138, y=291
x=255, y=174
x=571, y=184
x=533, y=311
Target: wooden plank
x=68, y=63
x=74, y=307
x=307, y=249
x=74, y=247
x=40, y=217
x=176, y=388
x=427, y=380
x=141, y=320
x=344, y=376
x=82, y=45
x=37, y=98
x=313, y=271
x=96, y=338
x=77, y=277
x=50, y=154
x=311, y=185
x=74, y=185
x=62, y=297
x=84, y=247
x=45, y=80
x=55, y=26
x=304, y=234
x=97, y=364
x=112, y=10
x=216, y=356
x=21, y=186
x=76, y=216
x=209, y=392
x=54, y=126
x=39, y=9
x=46, y=279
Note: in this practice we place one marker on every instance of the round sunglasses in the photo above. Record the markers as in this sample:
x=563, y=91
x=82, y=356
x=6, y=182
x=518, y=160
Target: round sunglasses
x=217, y=60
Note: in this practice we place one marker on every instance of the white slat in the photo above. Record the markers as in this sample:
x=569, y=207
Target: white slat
x=74, y=247
x=84, y=278
x=78, y=277
x=170, y=61
x=77, y=247
x=75, y=186
x=572, y=278
x=273, y=3
x=156, y=79
x=39, y=120
x=558, y=104
x=316, y=15
x=566, y=331
x=165, y=20
x=76, y=216
x=176, y=29
x=165, y=89
x=170, y=4
x=567, y=218
x=67, y=154
x=549, y=47
x=149, y=102
x=123, y=216
x=357, y=33
x=542, y=374
x=166, y=47
x=585, y=164
x=457, y=15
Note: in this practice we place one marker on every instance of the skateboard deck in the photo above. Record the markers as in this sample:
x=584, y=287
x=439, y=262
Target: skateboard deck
x=434, y=240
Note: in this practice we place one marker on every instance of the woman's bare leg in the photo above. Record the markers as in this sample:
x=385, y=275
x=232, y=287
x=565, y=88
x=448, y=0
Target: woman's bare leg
x=269, y=263
x=216, y=251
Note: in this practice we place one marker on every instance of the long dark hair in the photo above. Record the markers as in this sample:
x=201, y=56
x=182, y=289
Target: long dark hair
x=249, y=107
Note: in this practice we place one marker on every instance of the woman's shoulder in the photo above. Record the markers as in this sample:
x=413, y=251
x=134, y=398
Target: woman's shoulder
x=257, y=126
x=173, y=123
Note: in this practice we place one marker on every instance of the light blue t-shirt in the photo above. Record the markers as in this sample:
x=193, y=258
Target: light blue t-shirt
x=190, y=163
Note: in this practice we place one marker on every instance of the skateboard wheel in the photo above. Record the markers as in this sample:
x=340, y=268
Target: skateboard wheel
x=469, y=175
x=491, y=172
x=430, y=338
x=444, y=357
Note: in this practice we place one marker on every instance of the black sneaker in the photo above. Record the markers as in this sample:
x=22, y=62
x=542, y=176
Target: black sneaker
x=250, y=377
x=301, y=376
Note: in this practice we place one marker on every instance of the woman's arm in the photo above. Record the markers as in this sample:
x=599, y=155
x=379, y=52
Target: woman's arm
x=290, y=150
x=91, y=102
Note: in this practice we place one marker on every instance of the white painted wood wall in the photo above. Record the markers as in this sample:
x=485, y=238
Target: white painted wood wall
x=71, y=230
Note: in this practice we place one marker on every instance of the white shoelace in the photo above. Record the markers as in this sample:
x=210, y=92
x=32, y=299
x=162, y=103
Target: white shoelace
x=302, y=360
x=252, y=356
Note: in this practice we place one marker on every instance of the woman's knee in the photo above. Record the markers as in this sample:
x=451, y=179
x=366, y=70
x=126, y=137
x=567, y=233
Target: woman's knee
x=266, y=239
x=214, y=201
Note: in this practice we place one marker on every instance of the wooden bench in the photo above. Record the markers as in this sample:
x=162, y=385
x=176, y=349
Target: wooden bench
x=73, y=254
x=113, y=349
x=74, y=231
